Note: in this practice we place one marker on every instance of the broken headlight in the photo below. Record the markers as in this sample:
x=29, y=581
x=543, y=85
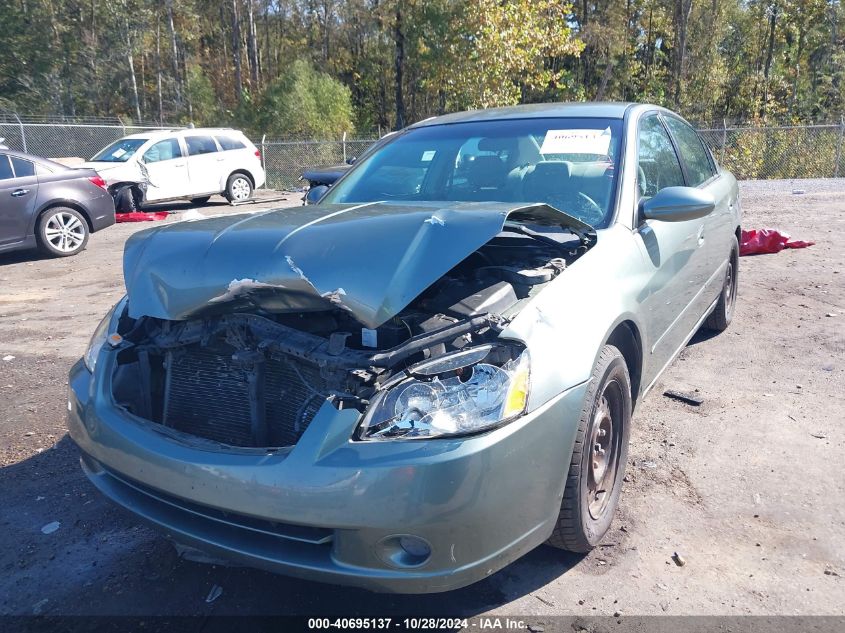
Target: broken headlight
x=101, y=334
x=457, y=394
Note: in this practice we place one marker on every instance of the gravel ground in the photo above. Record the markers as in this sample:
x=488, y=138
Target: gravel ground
x=748, y=487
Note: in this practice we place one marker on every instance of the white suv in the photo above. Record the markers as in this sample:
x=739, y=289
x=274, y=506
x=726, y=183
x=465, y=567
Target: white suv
x=172, y=164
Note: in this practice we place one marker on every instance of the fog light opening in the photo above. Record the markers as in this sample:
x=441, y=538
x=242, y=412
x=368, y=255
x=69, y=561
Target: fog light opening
x=415, y=546
x=405, y=550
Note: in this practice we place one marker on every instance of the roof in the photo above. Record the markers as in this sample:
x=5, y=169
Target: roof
x=35, y=159
x=604, y=110
x=164, y=132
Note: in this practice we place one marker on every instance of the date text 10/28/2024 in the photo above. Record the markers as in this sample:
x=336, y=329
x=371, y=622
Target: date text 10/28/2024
x=483, y=623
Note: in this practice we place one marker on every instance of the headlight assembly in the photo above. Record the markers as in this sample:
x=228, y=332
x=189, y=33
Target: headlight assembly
x=457, y=394
x=101, y=335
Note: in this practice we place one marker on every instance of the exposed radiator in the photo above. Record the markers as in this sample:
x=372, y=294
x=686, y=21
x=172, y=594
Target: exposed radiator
x=208, y=394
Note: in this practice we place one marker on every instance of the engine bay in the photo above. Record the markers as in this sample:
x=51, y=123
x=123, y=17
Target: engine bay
x=256, y=379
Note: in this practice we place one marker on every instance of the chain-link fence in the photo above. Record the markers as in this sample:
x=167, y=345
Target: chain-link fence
x=284, y=161
x=80, y=138
x=808, y=151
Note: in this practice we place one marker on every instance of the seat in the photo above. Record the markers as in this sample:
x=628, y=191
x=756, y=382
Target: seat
x=548, y=182
x=485, y=180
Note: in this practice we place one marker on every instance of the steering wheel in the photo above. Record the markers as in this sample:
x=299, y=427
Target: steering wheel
x=642, y=183
x=585, y=208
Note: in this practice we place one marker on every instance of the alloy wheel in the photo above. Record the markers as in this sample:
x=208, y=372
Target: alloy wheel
x=65, y=232
x=241, y=188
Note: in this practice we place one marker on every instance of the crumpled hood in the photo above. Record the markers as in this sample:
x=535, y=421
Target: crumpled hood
x=371, y=259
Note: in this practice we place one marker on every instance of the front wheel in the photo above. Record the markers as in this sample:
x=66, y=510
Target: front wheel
x=127, y=199
x=62, y=232
x=238, y=188
x=597, y=465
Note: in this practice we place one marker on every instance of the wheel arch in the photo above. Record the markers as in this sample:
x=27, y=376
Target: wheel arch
x=626, y=337
x=70, y=204
x=239, y=170
x=112, y=189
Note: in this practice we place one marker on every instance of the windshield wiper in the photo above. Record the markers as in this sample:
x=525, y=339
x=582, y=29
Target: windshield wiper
x=544, y=239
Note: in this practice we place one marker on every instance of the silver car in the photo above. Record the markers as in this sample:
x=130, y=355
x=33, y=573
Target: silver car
x=426, y=375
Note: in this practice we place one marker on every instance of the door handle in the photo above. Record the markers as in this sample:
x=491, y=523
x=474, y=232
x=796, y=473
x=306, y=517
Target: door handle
x=178, y=164
x=17, y=193
x=701, y=235
x=220, y=159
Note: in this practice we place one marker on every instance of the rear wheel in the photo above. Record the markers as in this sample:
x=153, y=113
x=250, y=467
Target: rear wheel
x=200, y=201
x=723, y=313
x=238, y=188
x=62, y=232
x=597, y=465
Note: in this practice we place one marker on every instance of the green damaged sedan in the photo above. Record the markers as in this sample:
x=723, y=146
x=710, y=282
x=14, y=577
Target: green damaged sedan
x=428, y=373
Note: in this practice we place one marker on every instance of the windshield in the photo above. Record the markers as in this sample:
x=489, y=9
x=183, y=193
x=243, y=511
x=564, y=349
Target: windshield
x=119, y=151
x=567, y=163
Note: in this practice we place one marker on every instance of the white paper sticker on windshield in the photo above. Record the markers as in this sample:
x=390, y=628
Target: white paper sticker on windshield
x=118, y=152
x=427, y=156
x=576, y=142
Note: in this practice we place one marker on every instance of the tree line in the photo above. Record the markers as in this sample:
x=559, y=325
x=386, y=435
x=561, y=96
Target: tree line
x=323, y=67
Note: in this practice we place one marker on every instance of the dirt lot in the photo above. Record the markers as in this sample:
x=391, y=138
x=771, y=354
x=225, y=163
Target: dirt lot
x=748, y=487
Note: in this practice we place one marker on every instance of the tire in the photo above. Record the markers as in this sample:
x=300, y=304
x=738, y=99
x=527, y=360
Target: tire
x=126, y=199
x=200, y=201
x=585, y=512
x=62, y=232
x=238, y=187
x=723, y=313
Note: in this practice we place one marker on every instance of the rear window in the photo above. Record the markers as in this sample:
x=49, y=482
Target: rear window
x=23, y=168
x=227, y=142
x=200, y=145
x=5, y=168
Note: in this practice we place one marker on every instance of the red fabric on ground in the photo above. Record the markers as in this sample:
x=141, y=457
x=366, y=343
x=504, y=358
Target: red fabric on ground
x=756, y=242
x=141, y=216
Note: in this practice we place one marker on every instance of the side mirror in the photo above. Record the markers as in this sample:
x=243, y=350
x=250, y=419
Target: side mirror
x=315, y=193
x=677, y=204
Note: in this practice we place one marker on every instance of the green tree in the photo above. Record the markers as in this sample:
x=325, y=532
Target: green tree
x=304, y=102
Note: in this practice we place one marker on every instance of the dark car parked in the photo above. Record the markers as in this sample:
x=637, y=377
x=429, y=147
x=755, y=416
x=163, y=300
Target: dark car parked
x=48, y=205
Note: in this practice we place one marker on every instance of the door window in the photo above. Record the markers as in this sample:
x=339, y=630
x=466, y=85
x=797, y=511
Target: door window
x=200, y=145
x=658, y=164
x=167, y=149
x=5, y=168
x=23, y=168
x=227, y=143
x=699, y=168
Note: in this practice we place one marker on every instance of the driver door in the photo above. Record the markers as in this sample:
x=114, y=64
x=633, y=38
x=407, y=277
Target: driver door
x=166, y=170
x=671, y=251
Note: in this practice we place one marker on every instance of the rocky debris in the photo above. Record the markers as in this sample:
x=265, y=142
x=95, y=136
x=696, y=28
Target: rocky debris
x=686, y=398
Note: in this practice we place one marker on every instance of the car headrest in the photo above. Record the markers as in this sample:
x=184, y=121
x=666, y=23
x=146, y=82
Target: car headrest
x=487, y=171
x=548, y=179
x=496, y=144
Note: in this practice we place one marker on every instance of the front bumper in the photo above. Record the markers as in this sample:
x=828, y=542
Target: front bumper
x=331, y=509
